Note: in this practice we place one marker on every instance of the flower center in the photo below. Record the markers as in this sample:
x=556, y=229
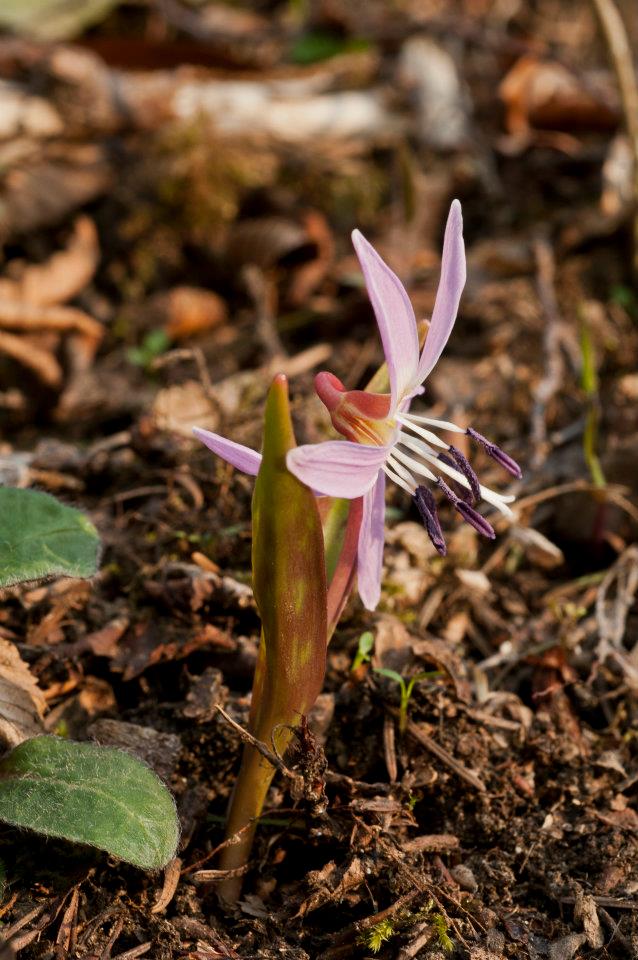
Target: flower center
x=357, y=415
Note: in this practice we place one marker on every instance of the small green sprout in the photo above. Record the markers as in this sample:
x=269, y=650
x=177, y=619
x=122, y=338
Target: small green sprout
x=378, y=935
x=406, y=689
x=440, y=925
x=154, y=344
x=589, y=384
x=364, y=651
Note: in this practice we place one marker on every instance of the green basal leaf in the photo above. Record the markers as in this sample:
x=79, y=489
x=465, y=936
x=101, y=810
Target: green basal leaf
x=41, y=537
x=89, y=794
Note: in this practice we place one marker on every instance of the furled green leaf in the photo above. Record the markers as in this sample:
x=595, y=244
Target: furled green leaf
x=41, y=537
x=289, y=576
x=89, y=794
x=289, y=581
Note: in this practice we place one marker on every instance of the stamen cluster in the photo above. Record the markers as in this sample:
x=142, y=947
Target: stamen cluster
x=403, y=468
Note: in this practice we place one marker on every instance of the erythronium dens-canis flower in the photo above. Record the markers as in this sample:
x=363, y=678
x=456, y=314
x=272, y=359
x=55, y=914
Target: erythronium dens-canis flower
x=383, y=439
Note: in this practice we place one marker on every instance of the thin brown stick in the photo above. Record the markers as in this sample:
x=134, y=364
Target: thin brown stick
x=443, y=755
x=621, y=56
x=261, y=748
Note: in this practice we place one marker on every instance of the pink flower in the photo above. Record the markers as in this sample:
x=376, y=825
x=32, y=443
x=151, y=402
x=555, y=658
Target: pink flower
x=383, y=439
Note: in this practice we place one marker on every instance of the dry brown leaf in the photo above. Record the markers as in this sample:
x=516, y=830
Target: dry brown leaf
x=177, y=408
x=191, y=311
x=545, y=95
x=39, y=361
x=392, y=645
x=44, y=192
x=62, y=276
x=22, y=702
x=440, y=653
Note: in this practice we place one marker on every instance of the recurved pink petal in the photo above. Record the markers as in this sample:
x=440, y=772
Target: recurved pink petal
x=235, y=453
x=448, y=294
x=395, y=318
x=370, y=552
x=337, y=468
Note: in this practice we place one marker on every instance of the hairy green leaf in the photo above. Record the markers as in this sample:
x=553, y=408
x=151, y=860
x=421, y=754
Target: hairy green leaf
x=89, y=794
x=41, y=537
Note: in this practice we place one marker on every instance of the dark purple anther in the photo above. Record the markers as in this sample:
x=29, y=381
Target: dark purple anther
x=475, y=519
x=426, y=505
x=461, y=462
x=462, y=492
x=468, y=513
x=496, y=453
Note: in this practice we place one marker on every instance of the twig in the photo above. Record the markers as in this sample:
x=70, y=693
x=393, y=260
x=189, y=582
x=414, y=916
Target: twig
x=614, y=493
x=442, y=754
x=611, y=613
x=135, y=952
x=172, y=873
x=621, y=56
x=259, y=746
x=344, y=939
x=556, y=336
x=614, y=929
x=196, y=354
x=263, y=294
x=614, y=903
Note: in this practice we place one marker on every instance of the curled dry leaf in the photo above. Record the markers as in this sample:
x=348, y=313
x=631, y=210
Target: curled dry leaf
x=44, y=191
x=23, y=114
x=185, y=312
x=192, y=311
x=86, y=335
x=177, y=408
x=308, y=276
x=439, y=653
x=392, y=645
x=545, y=95
x=266, y=242
x=30, y=305
x=63, y=275
x=22, y=702
x=39, y=361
